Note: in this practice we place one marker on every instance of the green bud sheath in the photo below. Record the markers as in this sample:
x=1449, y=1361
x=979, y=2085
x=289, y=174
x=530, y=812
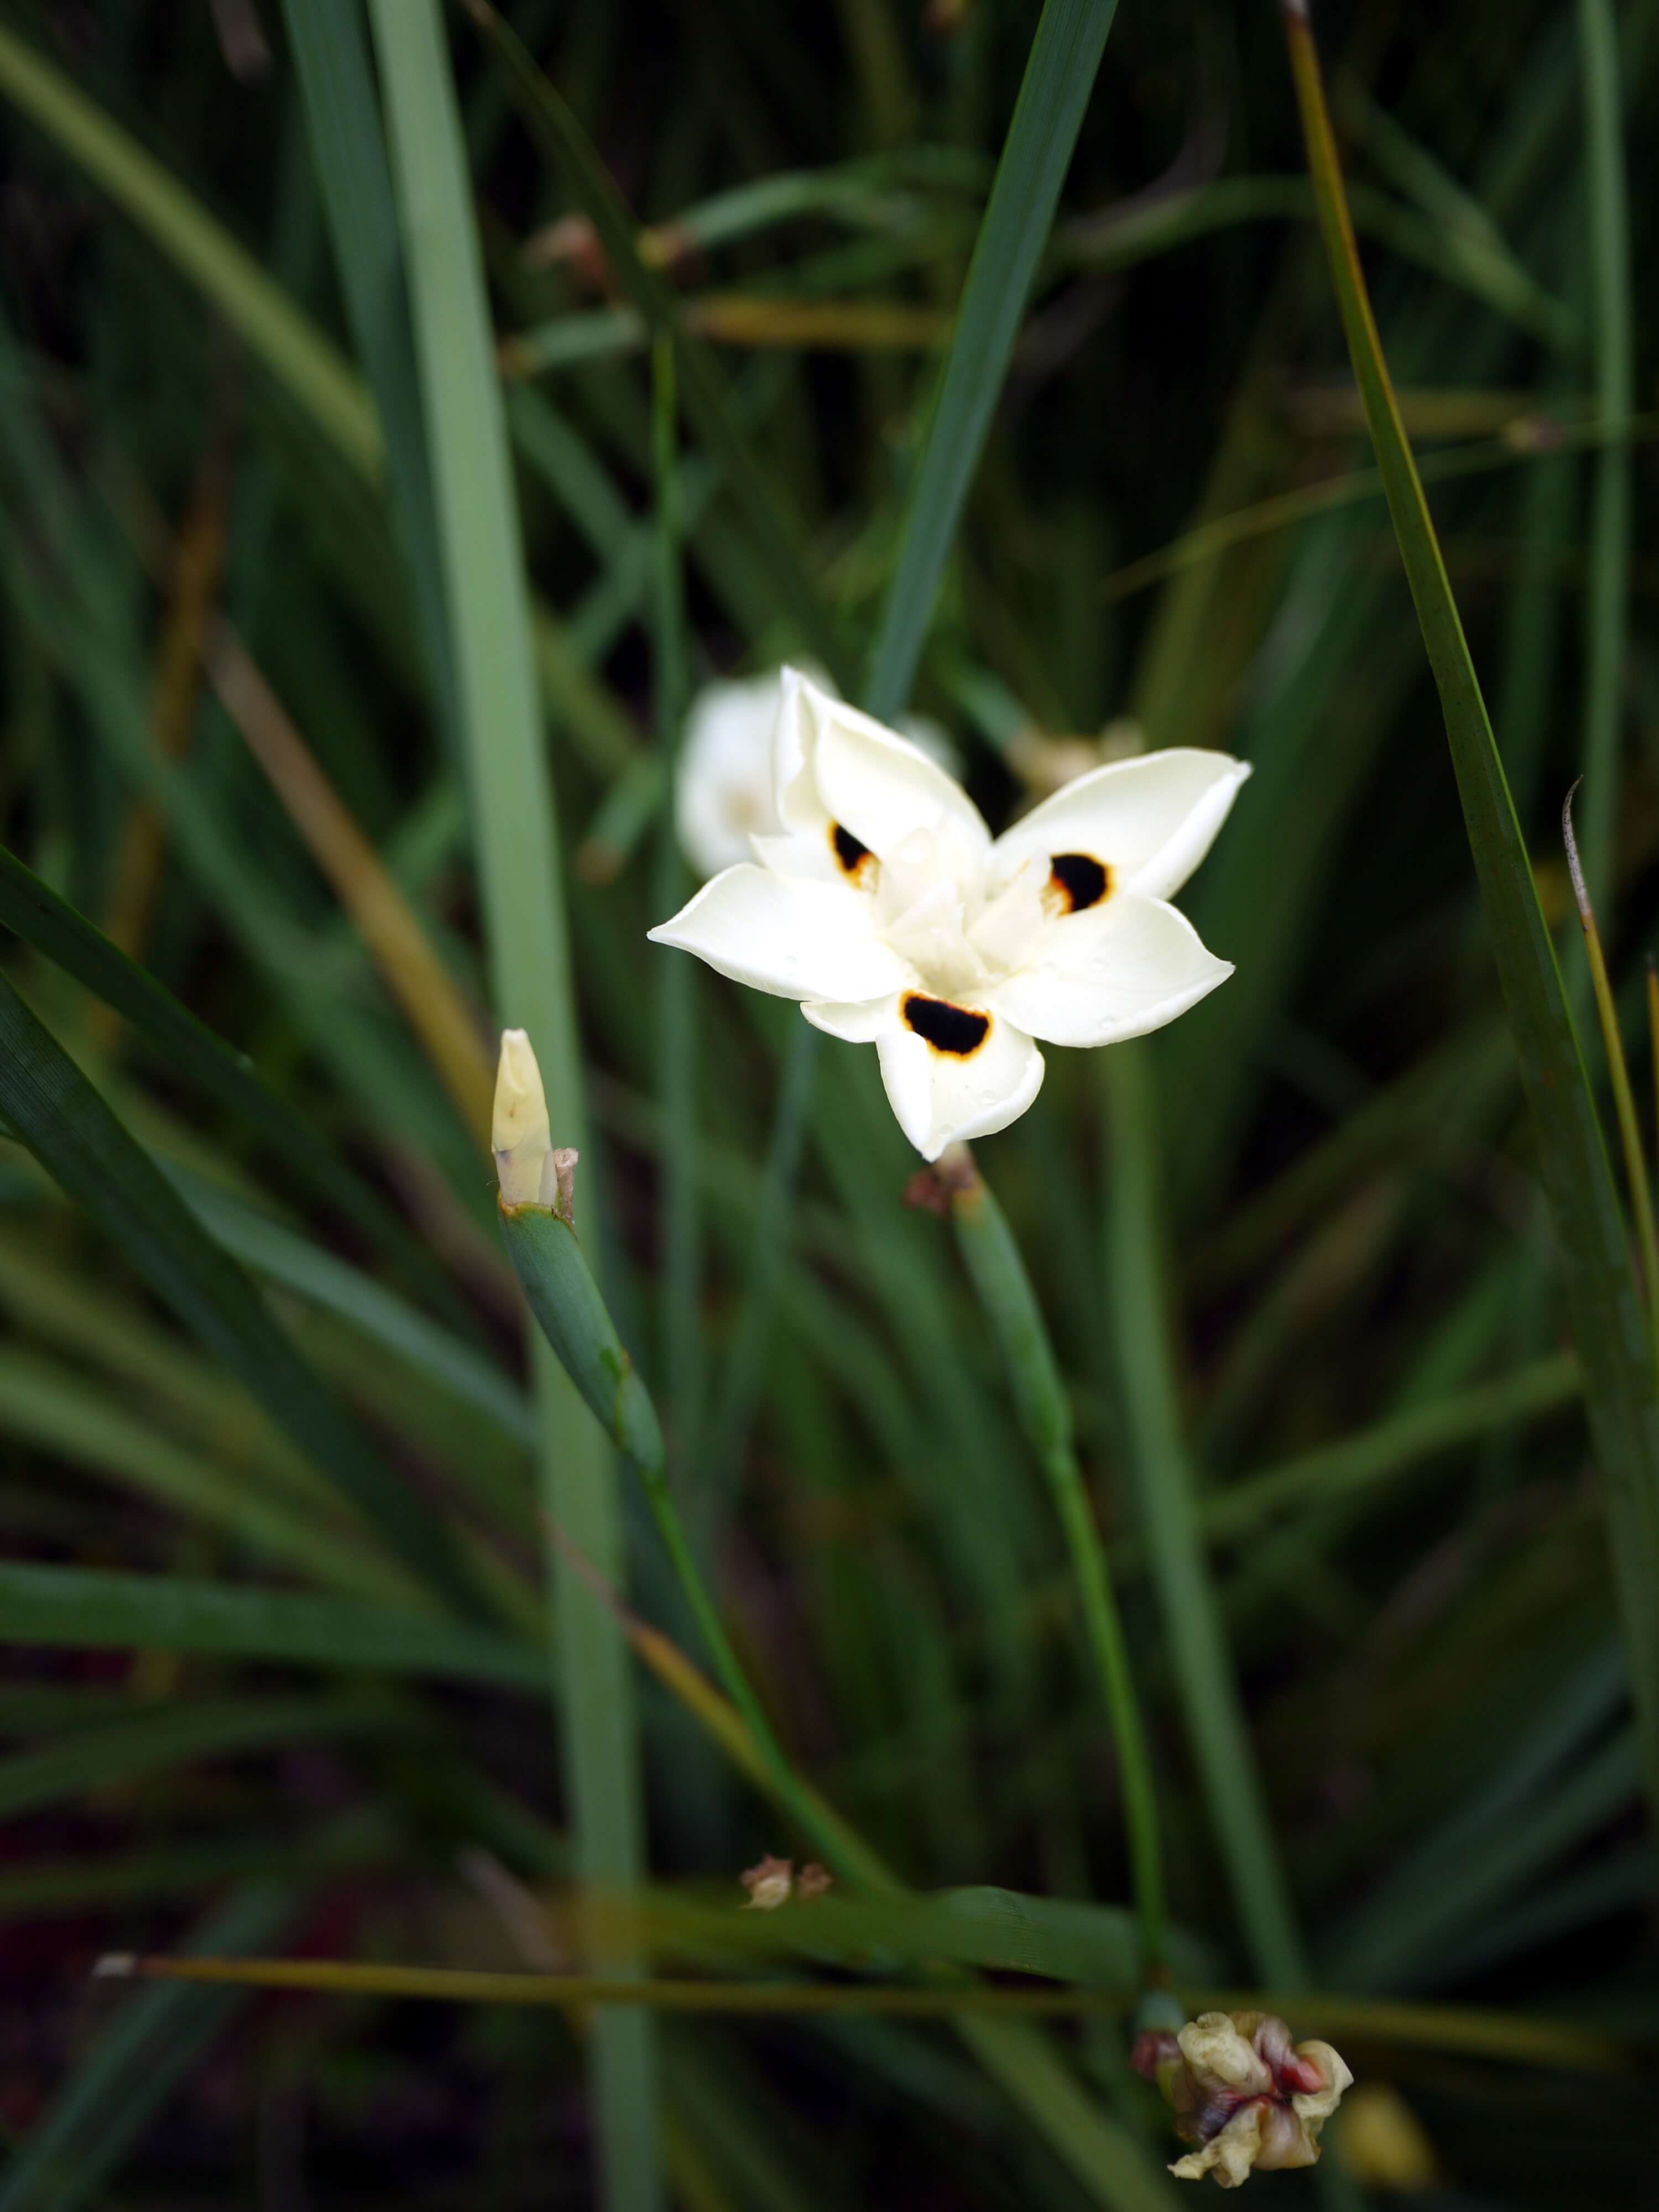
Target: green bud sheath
x=566, y=1301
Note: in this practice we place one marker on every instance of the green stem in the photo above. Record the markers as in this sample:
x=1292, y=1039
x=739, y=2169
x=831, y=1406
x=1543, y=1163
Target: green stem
x=565, y=1299
x=1004, y=1290
x=1168, y=1510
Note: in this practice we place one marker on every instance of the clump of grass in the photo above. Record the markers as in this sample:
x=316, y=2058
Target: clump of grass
x=534, y=366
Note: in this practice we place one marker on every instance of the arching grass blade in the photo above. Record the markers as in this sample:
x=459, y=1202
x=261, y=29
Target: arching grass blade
x=1600, y=1297
x=82, y=1146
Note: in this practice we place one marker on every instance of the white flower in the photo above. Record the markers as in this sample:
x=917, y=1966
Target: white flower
x=723, y=774
x=885, y=907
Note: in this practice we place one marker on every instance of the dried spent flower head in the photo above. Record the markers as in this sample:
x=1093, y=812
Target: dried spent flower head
x=1243, y=2092
x=769, y=1883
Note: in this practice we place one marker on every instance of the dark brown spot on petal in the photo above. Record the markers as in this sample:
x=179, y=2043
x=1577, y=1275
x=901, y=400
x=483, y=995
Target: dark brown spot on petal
x=856, y=861
x=956, y=1030
x=1077, y=881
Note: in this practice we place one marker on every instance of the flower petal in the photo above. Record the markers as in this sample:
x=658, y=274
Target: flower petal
x=1151, y=819
x=833, y=764
x=795, y=939
x=860, y=1023
x=943, y=1095
x=1122, y=968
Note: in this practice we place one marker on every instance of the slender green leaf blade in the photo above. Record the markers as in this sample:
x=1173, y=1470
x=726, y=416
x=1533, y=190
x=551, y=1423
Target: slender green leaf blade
x=530, y=963
x=82, y=1146
x=92, y=1608
x=1607, y=1320
x=139, y=2058
x=1053, y=94
x=185, y=1045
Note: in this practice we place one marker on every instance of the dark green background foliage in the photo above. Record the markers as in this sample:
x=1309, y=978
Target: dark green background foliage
x=277, y=1470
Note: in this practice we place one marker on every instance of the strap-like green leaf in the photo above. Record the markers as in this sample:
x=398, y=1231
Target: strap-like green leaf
x=82, y=1146
x=1606, y=1320
x=558, y=131
x=150, y=1742
x=91, y=1609
x=1052, y=96
x=188, y=1047
x=344, y=123
x=137, y=2061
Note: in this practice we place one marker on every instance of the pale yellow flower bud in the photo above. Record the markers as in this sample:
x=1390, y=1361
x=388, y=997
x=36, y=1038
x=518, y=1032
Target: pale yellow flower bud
x=525, y=1164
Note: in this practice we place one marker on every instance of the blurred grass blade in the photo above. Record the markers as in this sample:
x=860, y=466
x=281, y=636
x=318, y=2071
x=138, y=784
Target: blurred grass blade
x=1115, y=2173
x=678, y=982
x=59, y=1410
x=1109, y=2163
x=276, y=330
x=1355, y=1464
x=565, y=1299
x=1053, y=94
x=1601, y=1297
x=140, y=2056
x=1608, y=594
x=185, y=1046
x=295, y=352
x=282, y=1256
x=1624, y=1101
x=415, y=978
x=161, y=1736
x=530, y=964
x=92, y=1608
x=702, y=387
x=84, y=1148
x=1240, y=1822
x=348, y=145
x=998, y=1274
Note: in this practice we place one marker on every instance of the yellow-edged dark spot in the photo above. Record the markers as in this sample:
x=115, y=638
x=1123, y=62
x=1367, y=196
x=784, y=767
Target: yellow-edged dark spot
x=956, y=1030
x=856, y=861
x=1077, y=881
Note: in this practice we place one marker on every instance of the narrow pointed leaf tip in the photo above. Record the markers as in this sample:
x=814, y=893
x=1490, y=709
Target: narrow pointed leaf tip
x=1574, y=865
x=530, y=1168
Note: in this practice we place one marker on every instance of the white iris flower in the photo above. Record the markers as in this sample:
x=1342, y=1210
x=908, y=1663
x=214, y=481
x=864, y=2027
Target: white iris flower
x=723, y=793
x=886, y=908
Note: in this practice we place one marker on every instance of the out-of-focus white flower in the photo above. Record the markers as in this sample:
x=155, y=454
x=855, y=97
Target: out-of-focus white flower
x=886, y=908
x=1249, y=2097
x=723, y=791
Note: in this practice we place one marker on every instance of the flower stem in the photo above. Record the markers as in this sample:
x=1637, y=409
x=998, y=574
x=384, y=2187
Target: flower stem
x=1004, y=1290
x=571, y=1313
